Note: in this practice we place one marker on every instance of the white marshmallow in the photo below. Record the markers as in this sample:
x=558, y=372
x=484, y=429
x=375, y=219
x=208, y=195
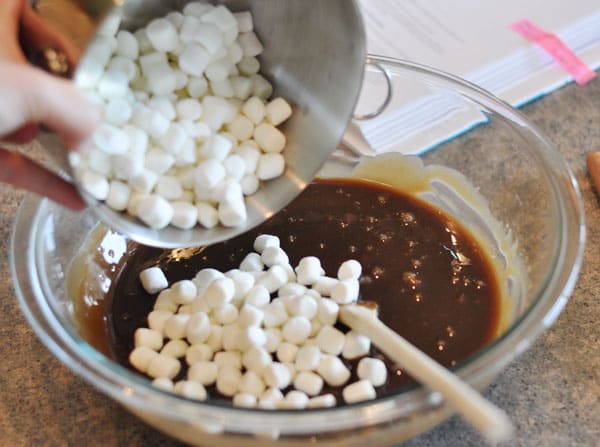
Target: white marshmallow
x=187, y=154
x=198, y=328
x=141, y=357
x=215, y=338
x=231, y=337
x=164, y=301
x=111, y=140
x=270, y=166
x=154, y=211
x=190, y=390
x=331, y=340
x=252, y=263
x=244, y=21
x=291, y=289
x=254, y=109
x=148, y=337
x=263, y=241
x=269, y=138
x=333, y=370
x=278, y=110
x=184, y=291
x=216, y=111
x=124, y=65
x=350, y=269
x=251, y=45
x=270, y=398
x=296, y=330
x=208, y=215
x=252, y=383
x=249, y=184
x=209, y=36
x=198, y=353
x=185, y=309
x=153, y=280
x=181, y=79
x=302, y=306
x=227, y=191
x=162, y=34
x=144, y=181
x=274, y=339
x=162, y=80
x=356, y=345
x=144, y=44
x=157, y=318
x=228, y=380
x=251, y=337
x=168, y=187
x=242, y=128
x=158, y=161
x=162, y=383
x=226, y=314
x=163, y=366
x=262, y=88
x=244, y=400
x=273, y=278
x=235, y=167
x=308, y=382
x=372, y=370
x=286, y=352
x=271, y=256
x=257, y=297
x=248, y=66
x=256, y=359
x=113, y=84
x=277, y=375
x=196, y=9
x=175, y=348
x=308, y=358
x=323, y=401
x=175, y=327
x=345, y=292
x=118, y=111
x=138, y=140
x=189, y=109
x=275, y=314
x=194, y=59
x=308, y=270
x=197, y=87
x=118, y=195
x=250, y=316
x=358, y=392
x=218, y=71
x=216, y=146
x=185, y=215
x=324, y=284
x=204, y=372
x=176, y=19
x=243, y=281
x=242, y=86
x=163, y=105
x=232, y=213
x=228, y=358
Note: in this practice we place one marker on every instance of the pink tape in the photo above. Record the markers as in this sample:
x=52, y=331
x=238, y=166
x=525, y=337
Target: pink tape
x=557, y=49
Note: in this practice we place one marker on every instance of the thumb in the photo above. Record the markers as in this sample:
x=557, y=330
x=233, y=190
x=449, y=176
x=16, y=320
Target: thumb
x=33, y=96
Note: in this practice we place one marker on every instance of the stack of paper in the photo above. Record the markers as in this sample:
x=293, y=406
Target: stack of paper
x=472, y=40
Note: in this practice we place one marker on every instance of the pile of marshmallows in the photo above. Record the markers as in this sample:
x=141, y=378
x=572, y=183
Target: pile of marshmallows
x=231, y=334
x=187, y=130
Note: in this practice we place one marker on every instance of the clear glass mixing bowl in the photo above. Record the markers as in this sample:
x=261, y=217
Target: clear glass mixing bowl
x=523, y=178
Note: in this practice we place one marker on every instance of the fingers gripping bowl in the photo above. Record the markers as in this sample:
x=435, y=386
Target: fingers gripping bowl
x=531, y=201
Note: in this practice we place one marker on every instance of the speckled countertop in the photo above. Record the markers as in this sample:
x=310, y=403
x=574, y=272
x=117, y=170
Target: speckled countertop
x=552, y=392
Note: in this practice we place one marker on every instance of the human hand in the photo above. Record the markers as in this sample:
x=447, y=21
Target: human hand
x=30, y=97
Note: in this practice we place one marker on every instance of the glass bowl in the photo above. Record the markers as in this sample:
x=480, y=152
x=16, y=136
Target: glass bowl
x=522, y=190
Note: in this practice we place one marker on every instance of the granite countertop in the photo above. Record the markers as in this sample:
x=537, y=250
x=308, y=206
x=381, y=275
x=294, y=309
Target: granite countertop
x=552, y=392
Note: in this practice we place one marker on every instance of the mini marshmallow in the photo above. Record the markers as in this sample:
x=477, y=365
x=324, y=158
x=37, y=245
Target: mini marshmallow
x=185, y=215
x=175, y=327
x=208, y=215
x=248, y=66
x=216, y=111
x=232, y=213
x=262, y=88
x=252, y=263
x=252, y=383
x=118, y=111
x=176, y=19
x=333, y=370
x=196, y=9
x=251, y=337
x=308, y=382
x=323, y=401
x=227, y=191
x=277, y=375
x=244, y=21
x=163, y=105
x=226, y=314
x=165, y=302
x=278, y=110
x=331, y=340
x=215, y=338
x=185, y=309
x=249, y=184
x=250, y=154
x=162, y=35
x=194, y=59
x=274, y=256
x=198, y=353
x=254, y=109
x=258, y=297
x=188, y=109
x=190, y=389
x=273, y=278
x=163, y=366
x=241, y=85
x=147, y=337
x=244, y=400
x=291, y=289
x=265, y=240
x=138, y=141
x=197, y=328
x=309, y=270
x=197, y=87
x=118, y=195
x=302, y=306
x=204, y=372
x=144, y=181
x=356, y=345
x=156, y=319
x=161, y=80
x=205, y=277
x=358, y=392
x=275, y=314
x=250, y=316
x=184, y=291
x=243, y=129
x=345, y=292
x=141, y=357
x=228, y=358
x=174, y=139
x=144, y=44
x=235, y=167
x=231, y=337
x=162, y=383
x=153, y=280
x=269, y=138
x=209, y=36
x=350, y=269
x=186, y=155
x=274, y=339
x=158, y=161
x=270, y=166
x=124, y=65
x=168, y=187
x=113, y=84
x=286, y=352
x=110, y=139
x=373, y=370
x=220, y=16
x=217, y=72
x=154, y=211
x=250, y=44
x=228, y=380
x=216, y=146
x=324, y=284
x=294, y=400
x=308, y=358
x=256, y=359
x=175, y=348
x=296, y=330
